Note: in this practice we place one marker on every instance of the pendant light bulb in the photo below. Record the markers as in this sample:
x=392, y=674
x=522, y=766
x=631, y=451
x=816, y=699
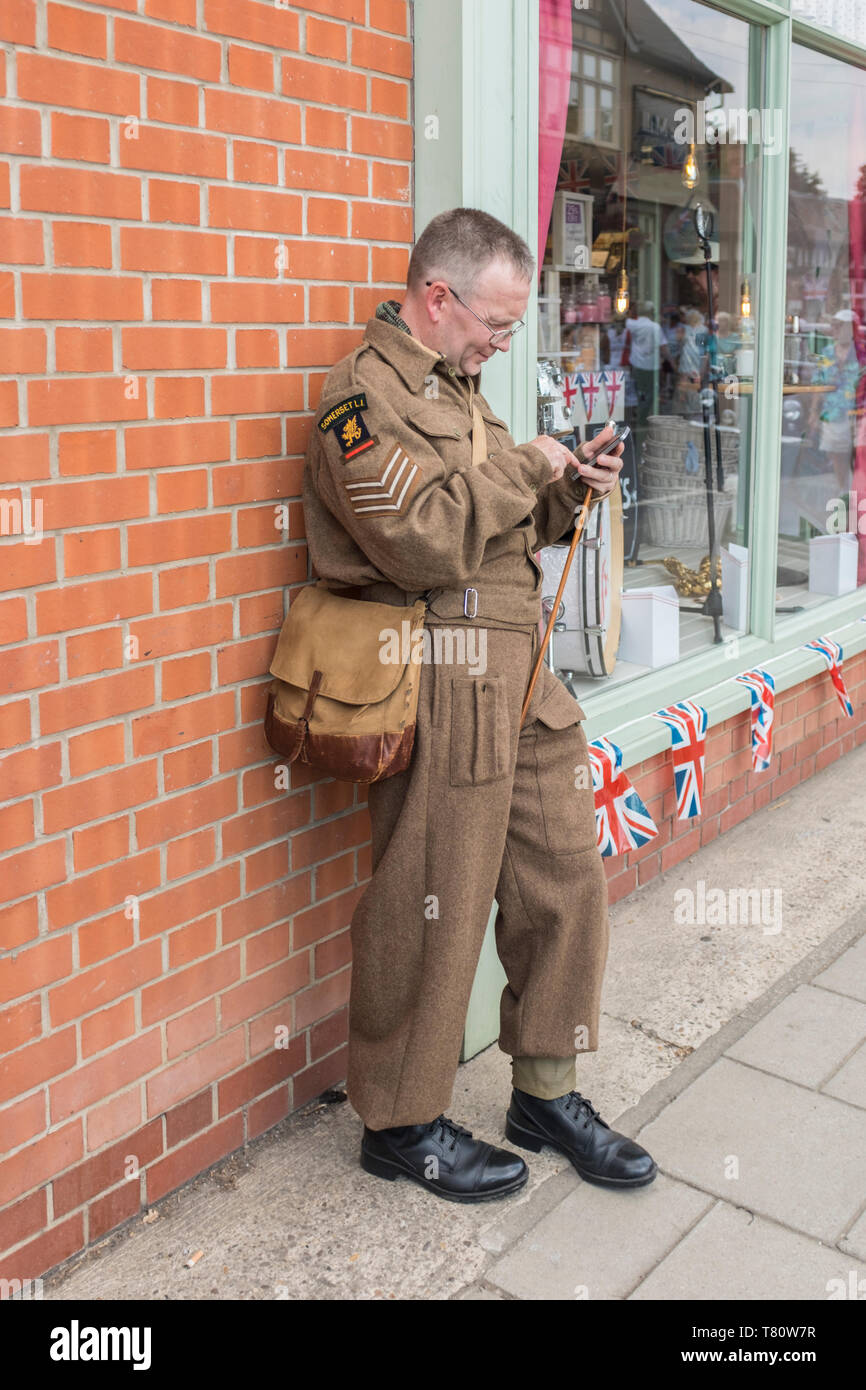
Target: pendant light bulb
x=690, y=169
x=622, y=296
x=745, y=300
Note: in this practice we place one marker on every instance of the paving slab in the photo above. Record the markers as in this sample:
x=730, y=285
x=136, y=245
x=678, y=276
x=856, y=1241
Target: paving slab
x=733, y=1254
x=806, y=1037
x=849, y=1082
x=598, y=1244
x=792, y=1154
x=847, y=975
x=854, y=1243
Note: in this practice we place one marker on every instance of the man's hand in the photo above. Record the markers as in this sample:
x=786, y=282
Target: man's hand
x=601, y=470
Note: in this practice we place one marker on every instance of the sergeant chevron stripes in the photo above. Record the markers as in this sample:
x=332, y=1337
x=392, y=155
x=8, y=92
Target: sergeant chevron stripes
x=386, y=491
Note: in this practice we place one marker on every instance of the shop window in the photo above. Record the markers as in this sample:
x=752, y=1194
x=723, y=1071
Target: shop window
x=593, y=106
x=847, y=18
x=822, y=506
x=651, y=155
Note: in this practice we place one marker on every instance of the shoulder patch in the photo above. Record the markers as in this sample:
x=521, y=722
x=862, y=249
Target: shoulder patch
x=346, y=419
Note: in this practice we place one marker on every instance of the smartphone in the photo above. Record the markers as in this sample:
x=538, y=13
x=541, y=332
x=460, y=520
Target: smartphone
x=619, y=437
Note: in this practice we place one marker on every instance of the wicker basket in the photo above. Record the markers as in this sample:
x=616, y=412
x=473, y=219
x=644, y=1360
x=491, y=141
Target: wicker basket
x=666, y=430
x=670, y=482
x=674, y=518
x=669, y=455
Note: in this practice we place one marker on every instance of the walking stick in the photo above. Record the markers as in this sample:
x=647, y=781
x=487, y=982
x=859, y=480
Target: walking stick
x=584, y=512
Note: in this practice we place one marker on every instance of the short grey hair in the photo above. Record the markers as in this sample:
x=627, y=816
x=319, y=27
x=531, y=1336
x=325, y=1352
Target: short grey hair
x=458, y=245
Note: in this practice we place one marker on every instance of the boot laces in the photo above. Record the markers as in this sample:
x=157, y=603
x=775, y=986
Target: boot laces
x=448, y=1128
x=576, y=1102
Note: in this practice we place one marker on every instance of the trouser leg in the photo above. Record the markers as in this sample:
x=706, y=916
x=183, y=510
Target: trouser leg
x=545, y=1077
x=438, y=833
x=552, y=929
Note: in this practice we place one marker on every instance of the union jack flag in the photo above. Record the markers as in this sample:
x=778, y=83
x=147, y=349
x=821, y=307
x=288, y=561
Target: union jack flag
x=614, y=382
x=832, y=654
x=762, y=693
x=610, y=164
x=573, y=176
x=624, y=181
x=688, y=725
x=622, y=820
x=569, y=390
x=590, y=386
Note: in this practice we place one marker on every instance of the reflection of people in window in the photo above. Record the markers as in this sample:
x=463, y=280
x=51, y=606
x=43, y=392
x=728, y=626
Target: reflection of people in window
x=840, y=369
x=695, y=287
x=675, y=334
x=612, y=348
x=647, y=349
x=691, y=363
x=725, y=344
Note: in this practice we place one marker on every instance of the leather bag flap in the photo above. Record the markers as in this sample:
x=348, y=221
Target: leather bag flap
x=341, y=638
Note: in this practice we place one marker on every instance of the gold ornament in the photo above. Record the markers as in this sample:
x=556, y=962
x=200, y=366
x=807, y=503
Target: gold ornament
x=693, y=583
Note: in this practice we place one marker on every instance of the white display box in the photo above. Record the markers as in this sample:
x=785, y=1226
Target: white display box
x=650, y=634
x=735, y=586
x=833, y=564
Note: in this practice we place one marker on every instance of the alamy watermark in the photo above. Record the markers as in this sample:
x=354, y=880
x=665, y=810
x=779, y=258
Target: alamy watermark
x=21, y=518
x=846, y=515
x=20, y=1289
x=456, y=646
x=736, y=907
x=730, y=125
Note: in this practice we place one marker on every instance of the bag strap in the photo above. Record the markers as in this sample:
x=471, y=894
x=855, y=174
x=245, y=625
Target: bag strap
x=313, y=691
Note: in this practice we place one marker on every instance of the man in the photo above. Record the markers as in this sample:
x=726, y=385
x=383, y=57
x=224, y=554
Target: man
x=648, y=348
x=840, y=369
x=395, y=509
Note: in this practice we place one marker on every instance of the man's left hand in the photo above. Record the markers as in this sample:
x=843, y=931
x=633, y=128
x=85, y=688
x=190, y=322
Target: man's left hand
x=603, y=469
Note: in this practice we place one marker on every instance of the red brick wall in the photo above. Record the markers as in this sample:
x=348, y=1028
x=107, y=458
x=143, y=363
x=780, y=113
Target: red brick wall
x=810, y=732
x=167, y=907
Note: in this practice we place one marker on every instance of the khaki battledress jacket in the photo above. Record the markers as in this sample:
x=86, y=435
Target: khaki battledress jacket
x=394, y=506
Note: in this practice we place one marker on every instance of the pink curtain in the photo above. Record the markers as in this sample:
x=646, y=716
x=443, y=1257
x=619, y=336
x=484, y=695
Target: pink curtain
x=554, y=71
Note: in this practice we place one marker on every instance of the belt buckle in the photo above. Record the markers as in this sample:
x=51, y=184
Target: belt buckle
x=466, y=594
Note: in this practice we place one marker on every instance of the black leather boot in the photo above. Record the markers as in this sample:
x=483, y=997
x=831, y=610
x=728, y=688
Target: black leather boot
x=574, y=1127
x=443, y=1157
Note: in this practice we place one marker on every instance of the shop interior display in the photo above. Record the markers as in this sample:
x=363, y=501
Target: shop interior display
x=646, y=312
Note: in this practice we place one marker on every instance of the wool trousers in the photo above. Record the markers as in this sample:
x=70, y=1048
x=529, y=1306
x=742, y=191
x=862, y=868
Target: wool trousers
x=484, y=811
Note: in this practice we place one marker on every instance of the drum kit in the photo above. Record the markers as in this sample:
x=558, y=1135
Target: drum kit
x=586, y=631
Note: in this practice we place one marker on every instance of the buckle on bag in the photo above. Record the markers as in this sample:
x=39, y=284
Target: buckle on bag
x=466, y=594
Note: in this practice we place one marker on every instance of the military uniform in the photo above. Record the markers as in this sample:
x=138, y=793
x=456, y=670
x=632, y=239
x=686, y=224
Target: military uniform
x=394, y=508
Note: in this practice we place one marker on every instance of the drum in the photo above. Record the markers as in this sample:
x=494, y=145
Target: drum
x=592, y=604
x=628, y=482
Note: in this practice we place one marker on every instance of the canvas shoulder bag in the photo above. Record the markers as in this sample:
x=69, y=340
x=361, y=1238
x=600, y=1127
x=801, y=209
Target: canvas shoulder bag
x=343, y=698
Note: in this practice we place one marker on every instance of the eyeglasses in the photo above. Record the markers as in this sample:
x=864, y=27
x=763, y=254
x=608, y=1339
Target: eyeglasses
x=496, y=336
